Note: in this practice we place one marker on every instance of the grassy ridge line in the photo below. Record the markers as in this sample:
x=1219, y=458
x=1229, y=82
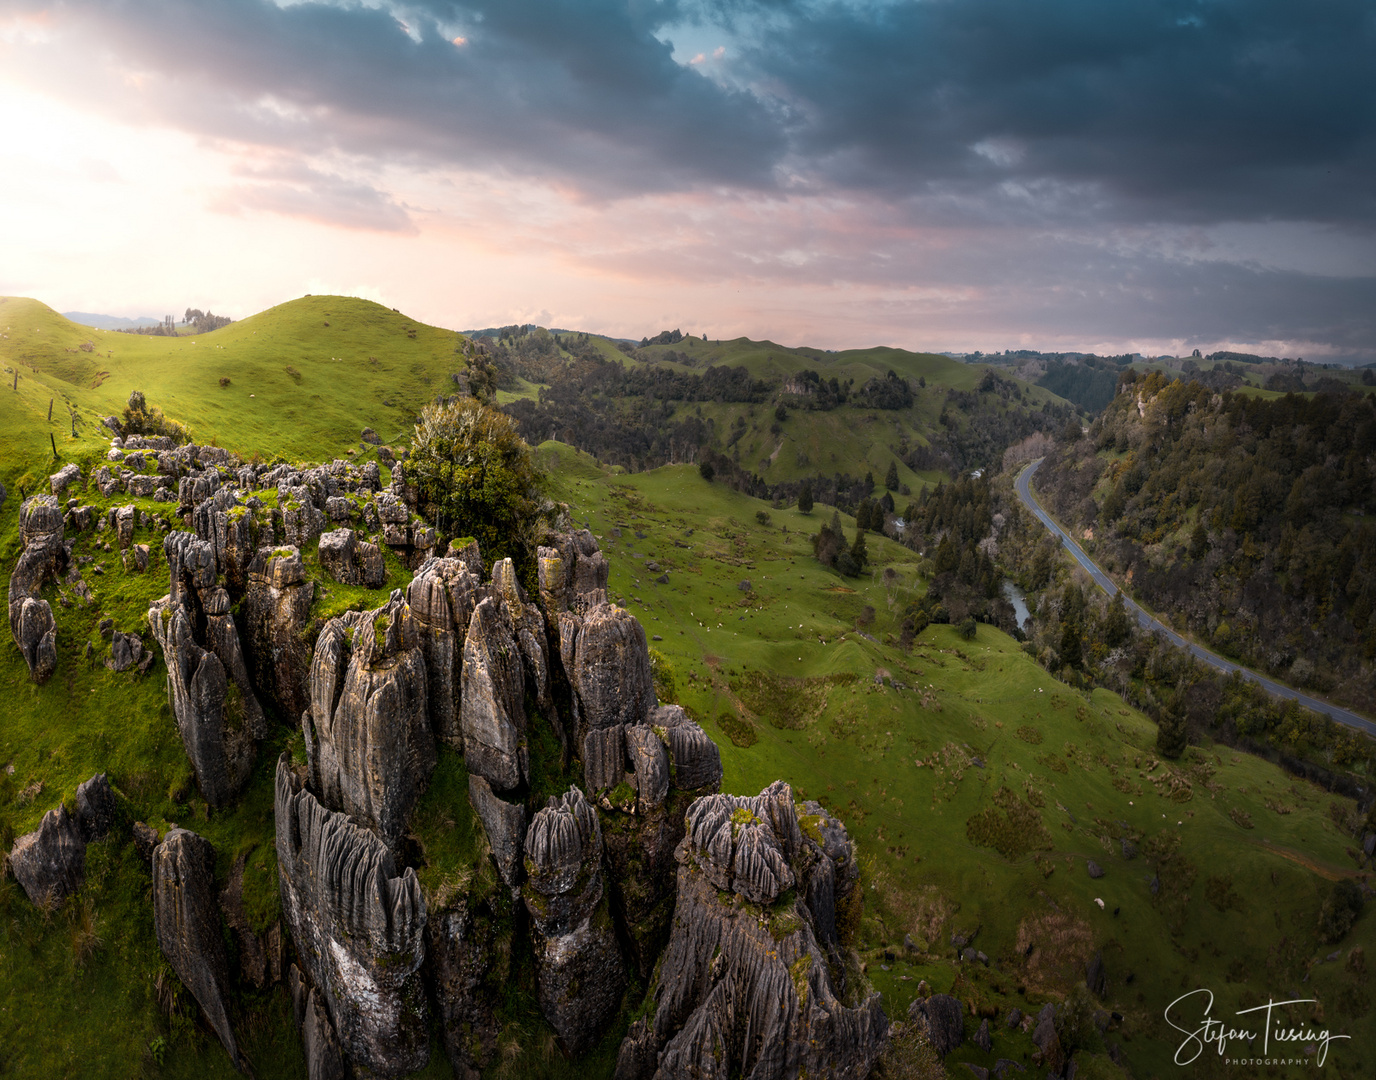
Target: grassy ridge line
x=304, y=377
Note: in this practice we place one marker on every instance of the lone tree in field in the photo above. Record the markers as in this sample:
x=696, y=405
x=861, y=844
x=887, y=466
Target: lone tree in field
x=475, y=476
x=805, y=499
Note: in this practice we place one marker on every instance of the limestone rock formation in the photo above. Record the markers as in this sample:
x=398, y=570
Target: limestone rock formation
x=464, y=963
x=187, y=921
x=529, y=626
x=367, y=729
x=64, y=477
x=505, y=825
x=578, y=964
x=95, y=807
x=571, y=568
x=208, y=685
x=694, y=759
x=218, y=740
x=492, y=706
x=442, y=597
x=745, y=987
x=44, y=558
x=324, y=1056
x=944, y=1019
x=50, y=862
x=607, y=662
x=126, y=650
x=632, y=774
x=352, y=561
x=359, y=929
x=277, y=605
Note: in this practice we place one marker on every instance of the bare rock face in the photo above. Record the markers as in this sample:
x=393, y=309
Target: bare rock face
x=50, y=862
x=944, y=1020
x=492, y=707
x=95, y=807
x=505, y=825
x=578, y=963
x=187, y=920
x=571, y=568
x=632, y=774
x=529, y=626
x=607, y=663
x=277, y=605
x=64, y=477
x=324, y=1056
x=694, y=759
x=351, y=561
x=217, y=734
x=126, y=650
x=208, y=685
x=442, y=596
x=367, y=730
x=44, y=558
x=745, y=986
x=464, y=962
x=359, y=929
x=604, y=759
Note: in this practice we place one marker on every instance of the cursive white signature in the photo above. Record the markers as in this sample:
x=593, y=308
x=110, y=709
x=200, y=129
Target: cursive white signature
x=1214, y=1031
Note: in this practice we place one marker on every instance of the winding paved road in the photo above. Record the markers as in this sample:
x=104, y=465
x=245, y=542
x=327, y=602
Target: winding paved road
x=1148, y=622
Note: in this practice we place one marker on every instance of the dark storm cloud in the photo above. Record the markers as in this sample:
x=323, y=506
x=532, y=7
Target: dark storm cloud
x=1180, y=110
x=1176, y=109
x=577, y=90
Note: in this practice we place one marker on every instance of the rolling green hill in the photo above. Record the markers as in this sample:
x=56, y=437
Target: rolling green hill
x=977, y=787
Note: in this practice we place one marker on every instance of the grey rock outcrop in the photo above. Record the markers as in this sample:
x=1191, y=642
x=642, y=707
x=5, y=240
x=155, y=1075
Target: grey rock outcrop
x=95, y=807
x=187, y=920
x=577, y=960
x=442, y=597
x=367, y=730
x=324, y=1056
x=64, y=478
x=43, y=559
x=464, y=961
x=219, y=741
x=492, y=705
x=359, y=930
x=50, y=862
x=571, y=569
x=529, y=626
x=607, y=663
x=744, y=988
x=505, y=825
x=277, y=605
x=352, y=561
x=694, y=759
x=126, y=650
x=629, y=769
x=208, y=686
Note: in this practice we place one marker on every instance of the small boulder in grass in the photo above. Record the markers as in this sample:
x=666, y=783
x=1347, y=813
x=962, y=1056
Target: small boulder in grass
x=1095, y=870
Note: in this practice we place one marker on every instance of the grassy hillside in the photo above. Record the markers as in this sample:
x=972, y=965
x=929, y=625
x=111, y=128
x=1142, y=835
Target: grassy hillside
x=976, y=786
x=788, y=686
x=305, y=378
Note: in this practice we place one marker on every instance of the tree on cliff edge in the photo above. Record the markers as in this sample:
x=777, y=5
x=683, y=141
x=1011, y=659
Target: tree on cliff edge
x=475, y=476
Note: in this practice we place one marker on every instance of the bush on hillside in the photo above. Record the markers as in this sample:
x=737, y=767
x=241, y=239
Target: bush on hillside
x=1340, y=911
x=142, y=419
x=475, y=476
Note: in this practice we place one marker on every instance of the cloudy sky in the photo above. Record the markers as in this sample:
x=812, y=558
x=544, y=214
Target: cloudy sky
x=1153, y=175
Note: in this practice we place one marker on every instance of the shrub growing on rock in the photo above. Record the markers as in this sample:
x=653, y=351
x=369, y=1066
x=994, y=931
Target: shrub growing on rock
x=475, y=476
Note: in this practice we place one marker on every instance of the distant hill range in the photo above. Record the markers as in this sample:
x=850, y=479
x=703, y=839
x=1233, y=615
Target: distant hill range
x=109, y=322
